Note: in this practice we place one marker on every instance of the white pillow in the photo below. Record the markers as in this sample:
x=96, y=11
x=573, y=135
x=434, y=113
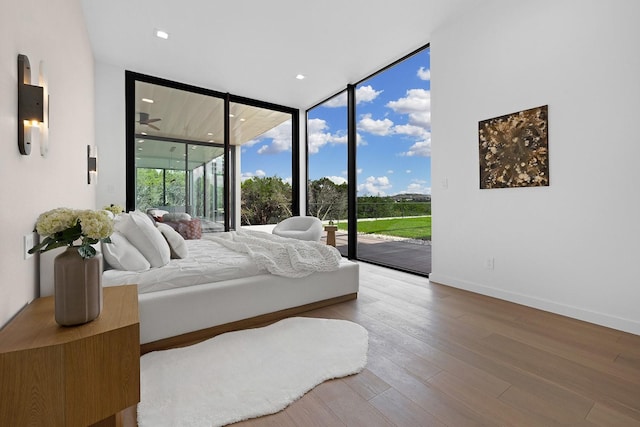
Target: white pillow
x=140, y=231
x=122, y=255
x=176, y=241
x=157, y=213
x=176, y=216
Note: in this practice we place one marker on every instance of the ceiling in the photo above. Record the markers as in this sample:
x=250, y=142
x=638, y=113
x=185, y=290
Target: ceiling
x=255, y=48
x=171, y=113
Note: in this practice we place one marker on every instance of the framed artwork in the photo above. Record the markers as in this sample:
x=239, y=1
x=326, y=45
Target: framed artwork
x=514, y=150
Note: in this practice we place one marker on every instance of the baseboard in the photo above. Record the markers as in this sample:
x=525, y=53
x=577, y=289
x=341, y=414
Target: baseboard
x=602, y=319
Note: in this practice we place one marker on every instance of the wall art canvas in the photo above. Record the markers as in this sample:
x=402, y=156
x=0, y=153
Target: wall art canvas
x=514, y=150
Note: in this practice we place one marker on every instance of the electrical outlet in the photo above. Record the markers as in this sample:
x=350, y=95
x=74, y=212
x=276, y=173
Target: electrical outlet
x=488, y=264
x=27, y=241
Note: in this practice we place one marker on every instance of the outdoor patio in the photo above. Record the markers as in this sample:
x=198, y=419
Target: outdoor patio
x=405, y=254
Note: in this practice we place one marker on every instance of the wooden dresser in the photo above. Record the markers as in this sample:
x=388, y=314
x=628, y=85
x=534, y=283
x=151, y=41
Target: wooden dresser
x=52, y=375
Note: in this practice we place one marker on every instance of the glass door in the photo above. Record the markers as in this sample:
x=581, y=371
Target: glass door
x=179, y=153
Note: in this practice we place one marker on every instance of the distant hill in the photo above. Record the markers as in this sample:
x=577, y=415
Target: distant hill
x=414, y=197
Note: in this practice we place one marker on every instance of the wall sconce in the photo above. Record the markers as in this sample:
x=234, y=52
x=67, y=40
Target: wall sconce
x=92, y=164
x=31, y=111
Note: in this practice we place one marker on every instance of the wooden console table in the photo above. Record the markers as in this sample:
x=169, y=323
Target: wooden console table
x=70, y=376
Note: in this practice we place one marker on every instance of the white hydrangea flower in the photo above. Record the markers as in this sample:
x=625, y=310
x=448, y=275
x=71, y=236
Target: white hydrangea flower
x=56, y=220
x=95, y=224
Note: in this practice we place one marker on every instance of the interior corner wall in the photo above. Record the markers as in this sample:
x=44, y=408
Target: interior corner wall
x=111, y=136
x=572, y=247
x=52, y=31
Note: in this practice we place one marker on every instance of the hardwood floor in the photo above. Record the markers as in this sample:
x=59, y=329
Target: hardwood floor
x=439, y=356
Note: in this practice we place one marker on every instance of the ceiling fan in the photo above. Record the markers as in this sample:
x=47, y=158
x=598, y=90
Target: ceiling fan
x=145, y=120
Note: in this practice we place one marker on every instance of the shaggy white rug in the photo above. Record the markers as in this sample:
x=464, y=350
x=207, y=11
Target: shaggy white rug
x=247, y=374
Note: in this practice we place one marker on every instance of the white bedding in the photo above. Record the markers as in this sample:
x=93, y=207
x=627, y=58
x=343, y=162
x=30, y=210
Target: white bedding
x=208, y=262
x=281, y=256
x=232, y=255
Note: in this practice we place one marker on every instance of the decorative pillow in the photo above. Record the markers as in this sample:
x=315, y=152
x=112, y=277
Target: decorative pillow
x=176, y=216
x=157, y=214
x=122, y=255
x=140, y=231
x=191, y=229
x=176, y=241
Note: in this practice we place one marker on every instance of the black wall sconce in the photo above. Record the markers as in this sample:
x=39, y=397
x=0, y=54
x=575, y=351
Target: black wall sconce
x=92, y=164
x=31, y=108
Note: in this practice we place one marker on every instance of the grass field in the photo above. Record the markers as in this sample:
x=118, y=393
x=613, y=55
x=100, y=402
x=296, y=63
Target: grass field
x=413, y=228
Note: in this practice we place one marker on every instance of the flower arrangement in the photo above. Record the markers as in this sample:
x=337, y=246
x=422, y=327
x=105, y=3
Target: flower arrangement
x=114, y=209
x=64, y=227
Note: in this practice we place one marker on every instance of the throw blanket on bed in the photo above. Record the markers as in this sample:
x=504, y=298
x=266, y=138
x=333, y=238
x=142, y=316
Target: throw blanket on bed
x=280, y=256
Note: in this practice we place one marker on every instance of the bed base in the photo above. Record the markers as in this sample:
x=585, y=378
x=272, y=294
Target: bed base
x=253, y=322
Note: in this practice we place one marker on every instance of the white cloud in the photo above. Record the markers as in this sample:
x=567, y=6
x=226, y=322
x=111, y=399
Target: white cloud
x=366, y=94
x=419, y=149
x=248, y=175
x=417, y=186
x=363, y=94
x=407, y=171
x=424, y=73
x=417, y=104
x=376, y=127
x=319, y=135
x=375, y=186
x=411, y=130
x=337, y=180
x=288, y=180
x=389, y=172
x=280, y=139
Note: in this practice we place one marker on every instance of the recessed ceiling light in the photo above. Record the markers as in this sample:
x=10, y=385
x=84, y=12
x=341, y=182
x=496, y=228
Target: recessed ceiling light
x=242, y=120
x=211, y=140
x=150, y=101
x=162, y=34
x=143, y=133
x=231, y=115
x=210, y=133
x=141, y=141
x=300, y=76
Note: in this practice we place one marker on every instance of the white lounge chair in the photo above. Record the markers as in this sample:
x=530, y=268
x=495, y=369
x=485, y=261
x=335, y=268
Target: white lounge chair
x=300, y=227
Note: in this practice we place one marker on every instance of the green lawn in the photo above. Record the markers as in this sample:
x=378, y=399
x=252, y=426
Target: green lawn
x=413, y=228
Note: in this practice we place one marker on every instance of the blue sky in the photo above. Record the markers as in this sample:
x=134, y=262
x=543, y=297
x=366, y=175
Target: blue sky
x=394, y=135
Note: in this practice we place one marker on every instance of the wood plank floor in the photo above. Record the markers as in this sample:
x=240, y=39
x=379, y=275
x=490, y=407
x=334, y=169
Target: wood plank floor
x=439, y=356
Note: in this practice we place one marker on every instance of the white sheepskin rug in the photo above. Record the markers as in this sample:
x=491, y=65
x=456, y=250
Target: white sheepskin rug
x=247, y=374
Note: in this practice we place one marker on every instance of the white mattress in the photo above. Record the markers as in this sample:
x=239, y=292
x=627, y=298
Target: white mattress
x=208, y=262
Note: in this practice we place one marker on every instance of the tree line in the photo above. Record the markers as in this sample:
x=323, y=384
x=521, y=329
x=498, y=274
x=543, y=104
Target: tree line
x=267, y=200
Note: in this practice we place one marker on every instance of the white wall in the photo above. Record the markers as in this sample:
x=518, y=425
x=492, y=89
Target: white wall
x=572, y=247
x=52, y=31
x=110, y=134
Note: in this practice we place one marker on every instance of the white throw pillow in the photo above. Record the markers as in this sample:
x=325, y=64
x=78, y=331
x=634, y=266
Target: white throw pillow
x=122, y=255
x=140, y=231
x=176, y=242
x=176, y=216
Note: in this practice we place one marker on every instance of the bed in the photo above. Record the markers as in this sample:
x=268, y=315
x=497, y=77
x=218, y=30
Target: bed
x=222, y=283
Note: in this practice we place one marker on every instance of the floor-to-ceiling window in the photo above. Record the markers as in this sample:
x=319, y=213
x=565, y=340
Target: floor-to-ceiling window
x=327, y=182
x=192, y=150
x=392, y=139
x=264, y=150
